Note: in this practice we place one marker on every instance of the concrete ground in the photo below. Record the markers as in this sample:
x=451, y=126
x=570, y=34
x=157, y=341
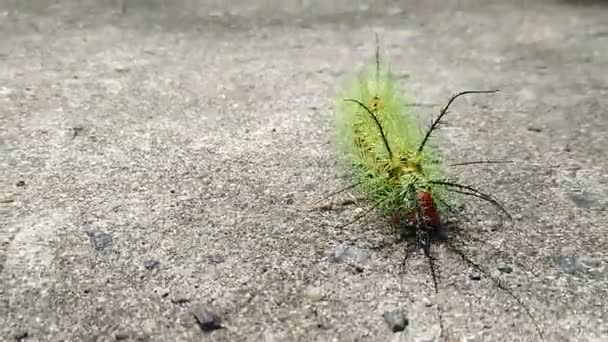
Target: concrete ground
x=158, y=159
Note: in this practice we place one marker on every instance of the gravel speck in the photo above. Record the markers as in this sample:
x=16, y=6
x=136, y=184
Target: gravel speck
x=396, y=319
x=349, y=254
x=505, y=269
x=180, y=300
x=121, y=337
x=427, y=302
x=475, y=276
x=315, y=293
x=100, y=240
x=151, y=264
x=568, y=263
x=216, y=258
x=22, y=335
x=206, y=319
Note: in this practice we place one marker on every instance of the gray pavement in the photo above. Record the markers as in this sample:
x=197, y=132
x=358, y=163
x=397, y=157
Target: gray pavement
x=157, y=160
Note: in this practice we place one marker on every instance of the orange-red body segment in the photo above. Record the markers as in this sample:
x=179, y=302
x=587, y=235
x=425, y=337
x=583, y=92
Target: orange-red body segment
x=427, y=209
x=425, y=200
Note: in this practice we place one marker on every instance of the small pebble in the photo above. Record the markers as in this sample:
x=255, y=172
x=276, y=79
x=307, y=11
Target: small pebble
x=22, y=335
x=315, y=293
x=216, y=258
x=582, y=200
x=21, y=183
x=151, y=264
x=100, y=240
x=346, y=253
x=76, y=131
x=121, y=336
x=180, y=300
x=505, y=269
x=475, y=276
x=568, y=263
x=396, y=320
x=206, y=319
x=427, y=302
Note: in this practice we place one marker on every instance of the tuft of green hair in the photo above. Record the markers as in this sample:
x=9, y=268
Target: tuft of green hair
x=379, y=137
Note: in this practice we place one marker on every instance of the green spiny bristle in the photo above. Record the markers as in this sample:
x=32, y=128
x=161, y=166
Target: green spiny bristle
x=363, y=147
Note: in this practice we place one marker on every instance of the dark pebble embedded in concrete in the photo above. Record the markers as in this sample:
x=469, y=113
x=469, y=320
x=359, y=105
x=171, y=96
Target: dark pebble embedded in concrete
x=475, y=276
x=151, y=264
x=121, y=337
x=216, y=258
x=76, y=131
x=396, y=319
x=180, y=301
x=206, y=319
x=21, y=336
x=358, y=269
x=99, y=239
x=505, y=269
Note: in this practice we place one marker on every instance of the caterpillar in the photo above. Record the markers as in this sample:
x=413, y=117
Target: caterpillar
x=397, y=166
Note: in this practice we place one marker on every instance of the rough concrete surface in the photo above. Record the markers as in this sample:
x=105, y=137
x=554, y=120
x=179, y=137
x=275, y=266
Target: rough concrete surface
x=158, y=159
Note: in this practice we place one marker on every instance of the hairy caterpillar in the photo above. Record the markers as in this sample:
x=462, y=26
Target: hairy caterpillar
x=397, y=167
